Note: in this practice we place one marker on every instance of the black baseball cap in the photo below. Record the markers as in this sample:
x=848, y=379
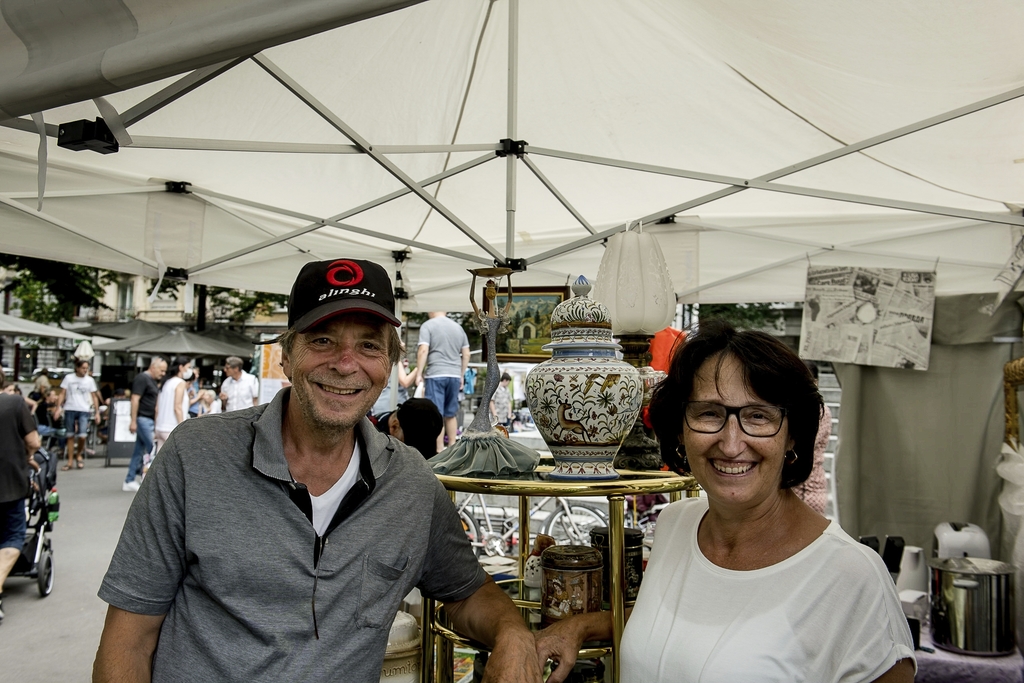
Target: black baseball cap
x=325, y=288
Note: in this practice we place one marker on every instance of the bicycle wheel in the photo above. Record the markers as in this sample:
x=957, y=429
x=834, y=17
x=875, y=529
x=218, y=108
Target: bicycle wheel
x=574, y=528
x=472, y=531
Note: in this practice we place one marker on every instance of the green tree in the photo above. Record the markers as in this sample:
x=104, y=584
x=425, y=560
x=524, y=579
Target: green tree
x=51, y=291
x=744, y=316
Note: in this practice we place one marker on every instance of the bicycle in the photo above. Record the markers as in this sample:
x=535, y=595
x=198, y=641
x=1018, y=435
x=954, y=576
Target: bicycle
x=570, y=523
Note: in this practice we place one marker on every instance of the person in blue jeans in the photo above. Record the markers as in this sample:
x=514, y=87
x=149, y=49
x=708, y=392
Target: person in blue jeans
x=144, y=395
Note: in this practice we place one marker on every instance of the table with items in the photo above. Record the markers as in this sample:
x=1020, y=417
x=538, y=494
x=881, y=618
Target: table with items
x=436, y=631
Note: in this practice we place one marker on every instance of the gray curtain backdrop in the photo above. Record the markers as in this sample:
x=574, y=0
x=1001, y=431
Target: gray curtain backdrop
x=919, y=448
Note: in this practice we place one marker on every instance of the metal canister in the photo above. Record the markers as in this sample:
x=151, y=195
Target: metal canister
x=572, y=581
x=633, y=561
x=972, y=608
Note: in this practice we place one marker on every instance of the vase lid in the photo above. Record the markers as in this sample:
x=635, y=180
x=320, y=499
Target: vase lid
x=581, y=321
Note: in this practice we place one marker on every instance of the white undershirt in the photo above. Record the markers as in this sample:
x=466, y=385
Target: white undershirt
x=326, y=505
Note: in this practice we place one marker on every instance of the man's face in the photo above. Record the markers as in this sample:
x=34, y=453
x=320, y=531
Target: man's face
x=80, y=370
x=338, y=370
x=158, y=370
x=232, y=372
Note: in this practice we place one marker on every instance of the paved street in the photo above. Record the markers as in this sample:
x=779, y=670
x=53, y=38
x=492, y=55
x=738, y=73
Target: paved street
x=55, y=639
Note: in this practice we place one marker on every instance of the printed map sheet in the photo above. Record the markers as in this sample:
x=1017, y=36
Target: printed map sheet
x=868, y=316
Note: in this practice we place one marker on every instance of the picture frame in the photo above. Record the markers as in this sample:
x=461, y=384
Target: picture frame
x=529, y=325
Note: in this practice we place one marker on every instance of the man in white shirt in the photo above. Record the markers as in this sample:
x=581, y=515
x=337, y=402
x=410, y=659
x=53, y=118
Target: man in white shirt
x=80, y=400
x=240, y=389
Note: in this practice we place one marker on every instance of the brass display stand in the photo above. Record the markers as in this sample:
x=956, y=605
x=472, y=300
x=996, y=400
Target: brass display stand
x=437, y=631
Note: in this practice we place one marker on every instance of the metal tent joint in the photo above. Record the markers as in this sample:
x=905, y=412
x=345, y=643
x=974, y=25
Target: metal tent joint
x=178, y=186
x=516, y=265
x=176, y=274
x=86, y=134
x=510, y=146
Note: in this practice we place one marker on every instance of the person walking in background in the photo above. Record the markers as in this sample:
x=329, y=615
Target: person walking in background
x=19, y=441
x=144, y=396
x=240, y=389
x=172, y=406
x=501, y=403
x=80, y=400
x=442, y=358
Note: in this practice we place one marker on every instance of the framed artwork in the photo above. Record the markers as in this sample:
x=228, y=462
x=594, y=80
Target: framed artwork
x=529, y=322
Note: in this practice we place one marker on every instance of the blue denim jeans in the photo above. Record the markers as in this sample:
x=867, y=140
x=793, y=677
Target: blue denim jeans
x=143, y=444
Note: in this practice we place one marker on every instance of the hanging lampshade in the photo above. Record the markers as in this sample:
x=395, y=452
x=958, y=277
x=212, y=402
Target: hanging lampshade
x=633, y=282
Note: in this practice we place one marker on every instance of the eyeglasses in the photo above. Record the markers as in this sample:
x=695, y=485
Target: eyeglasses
x=706, y=417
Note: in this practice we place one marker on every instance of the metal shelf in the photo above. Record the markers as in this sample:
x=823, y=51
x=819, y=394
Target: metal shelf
x=436, y=631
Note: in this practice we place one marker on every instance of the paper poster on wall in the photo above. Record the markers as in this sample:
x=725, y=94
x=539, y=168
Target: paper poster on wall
x=868, y=316
x=272, y=377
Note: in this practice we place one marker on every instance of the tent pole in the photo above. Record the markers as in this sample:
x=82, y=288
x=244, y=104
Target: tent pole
x=217, y=145
x=86, y=193
x=334, y=120
x=852, y=249
x=761, y=184
x=180, y=87
x=558, y=195
x=321, y=222
x=513, y=101
x=73, y=230
x=316, y=225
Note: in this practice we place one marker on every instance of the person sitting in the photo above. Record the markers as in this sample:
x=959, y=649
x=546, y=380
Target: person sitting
x=749, y=583
x=416, y=423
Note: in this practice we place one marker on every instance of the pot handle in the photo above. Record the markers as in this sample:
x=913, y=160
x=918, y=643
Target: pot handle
x=969, y=584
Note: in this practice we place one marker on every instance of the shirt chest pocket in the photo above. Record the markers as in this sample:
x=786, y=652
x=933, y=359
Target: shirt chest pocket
x=381, y=591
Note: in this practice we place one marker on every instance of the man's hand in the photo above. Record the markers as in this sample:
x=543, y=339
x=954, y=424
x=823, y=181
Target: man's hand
x=133, y=426
x=490, y=617
x=513, y=659
x=561, y=641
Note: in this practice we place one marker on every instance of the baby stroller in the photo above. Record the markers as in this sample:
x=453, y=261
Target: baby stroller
x=43, y=508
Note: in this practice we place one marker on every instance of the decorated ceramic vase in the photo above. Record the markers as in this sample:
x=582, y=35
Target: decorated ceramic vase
x=583, y=399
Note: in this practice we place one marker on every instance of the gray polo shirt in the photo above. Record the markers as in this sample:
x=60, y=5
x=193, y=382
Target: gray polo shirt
x=214, y=541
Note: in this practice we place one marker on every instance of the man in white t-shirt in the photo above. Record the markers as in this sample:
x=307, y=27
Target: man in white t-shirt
x=240, y=389
x=79, y=400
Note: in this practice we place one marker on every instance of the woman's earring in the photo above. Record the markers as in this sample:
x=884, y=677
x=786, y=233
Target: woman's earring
x=791, y=457
x=681, y=451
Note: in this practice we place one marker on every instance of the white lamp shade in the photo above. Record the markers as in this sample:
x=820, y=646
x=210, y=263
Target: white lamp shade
x=633, y=282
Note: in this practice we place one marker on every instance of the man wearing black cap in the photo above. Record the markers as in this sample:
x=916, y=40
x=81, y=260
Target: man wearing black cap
x=275, y=543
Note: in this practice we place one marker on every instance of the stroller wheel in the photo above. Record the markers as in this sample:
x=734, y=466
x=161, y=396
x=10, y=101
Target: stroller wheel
x=45, y=574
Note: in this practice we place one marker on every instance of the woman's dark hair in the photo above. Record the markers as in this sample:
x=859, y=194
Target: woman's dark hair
x=174, y=367
x=772, y=371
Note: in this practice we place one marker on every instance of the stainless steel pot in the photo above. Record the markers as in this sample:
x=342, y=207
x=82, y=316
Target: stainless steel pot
x=972, y=605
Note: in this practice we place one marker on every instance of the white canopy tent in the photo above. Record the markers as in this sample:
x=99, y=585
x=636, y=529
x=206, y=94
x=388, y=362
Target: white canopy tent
x=775, y=134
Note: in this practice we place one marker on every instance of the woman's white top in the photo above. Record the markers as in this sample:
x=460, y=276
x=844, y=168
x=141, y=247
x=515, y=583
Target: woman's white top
x=828, y=613
x=166, y=420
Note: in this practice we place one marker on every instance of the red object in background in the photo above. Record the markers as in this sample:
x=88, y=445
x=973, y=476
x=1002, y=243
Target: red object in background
x=663, y=346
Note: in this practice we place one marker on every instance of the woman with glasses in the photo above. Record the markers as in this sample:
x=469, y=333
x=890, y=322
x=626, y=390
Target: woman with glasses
x=748, y=583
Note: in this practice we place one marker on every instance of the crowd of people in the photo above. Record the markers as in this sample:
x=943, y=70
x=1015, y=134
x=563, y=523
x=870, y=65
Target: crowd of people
x=162, y=397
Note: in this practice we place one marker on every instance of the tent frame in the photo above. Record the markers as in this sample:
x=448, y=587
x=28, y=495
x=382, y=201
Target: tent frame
x=513, y=150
